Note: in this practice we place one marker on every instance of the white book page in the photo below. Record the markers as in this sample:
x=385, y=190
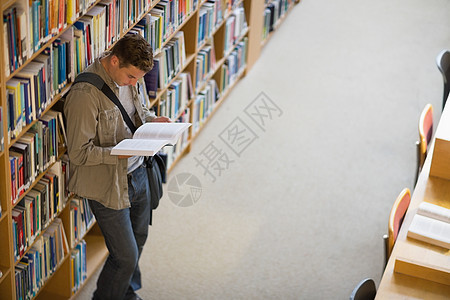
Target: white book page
x=431, y=228
x=434, y=211
x=138, y=147
x=164, y=131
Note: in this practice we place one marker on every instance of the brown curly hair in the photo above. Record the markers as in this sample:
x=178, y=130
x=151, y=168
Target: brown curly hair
x=133, y=49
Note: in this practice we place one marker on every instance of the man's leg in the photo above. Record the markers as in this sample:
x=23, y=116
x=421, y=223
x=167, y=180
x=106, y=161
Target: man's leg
x=117, y=230
x=139, y=194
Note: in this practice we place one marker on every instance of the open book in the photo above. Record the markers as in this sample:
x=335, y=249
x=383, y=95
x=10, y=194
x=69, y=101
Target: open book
x=431, y=224
x=150, y=138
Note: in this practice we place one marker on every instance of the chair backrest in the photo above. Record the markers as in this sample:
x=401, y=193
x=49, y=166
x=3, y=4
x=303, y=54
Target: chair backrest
x=425, y=135
x=443, y=64
x=396, y=216
x=365, y=290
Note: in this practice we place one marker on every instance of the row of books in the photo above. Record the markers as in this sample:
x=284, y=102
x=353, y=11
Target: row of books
x=178, y=148
x=173, y=13
x=33, y=88
x=272, y=13
x=204, y=104
x=62, y=68
x=103, y=24
x=28, y=25
x=34, y=152
x=229, y=5
x=204, y=64
x=171, y=58
x=78, y=265
x=38, y=208
x=163, y=20
x=177, y=96
x=234, y=65
x=150, y=27
x=210, y=15
x=235, y=26
x=128, y=12
x=37, y=265
x=92, y=30
x=81, y=219
x=168, y=63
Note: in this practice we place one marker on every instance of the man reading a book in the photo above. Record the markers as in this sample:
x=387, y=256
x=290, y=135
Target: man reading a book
x=116, y=186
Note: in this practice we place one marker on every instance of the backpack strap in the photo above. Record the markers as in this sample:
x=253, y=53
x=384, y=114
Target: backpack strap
x=99, y=83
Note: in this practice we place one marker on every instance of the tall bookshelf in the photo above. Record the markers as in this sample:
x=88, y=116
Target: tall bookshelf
x=233, y=57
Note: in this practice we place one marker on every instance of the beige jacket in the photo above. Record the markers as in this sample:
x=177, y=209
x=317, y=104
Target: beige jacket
x=94, y=126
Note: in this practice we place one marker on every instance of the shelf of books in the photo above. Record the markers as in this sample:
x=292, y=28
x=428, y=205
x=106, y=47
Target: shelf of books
x=50, y=242
x=274, y=14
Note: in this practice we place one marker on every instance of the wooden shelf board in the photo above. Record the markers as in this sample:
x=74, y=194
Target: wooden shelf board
x=5, y=272
x=6, y=4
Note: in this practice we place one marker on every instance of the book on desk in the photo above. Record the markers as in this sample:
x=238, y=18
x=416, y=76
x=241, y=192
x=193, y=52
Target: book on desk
x=430, y=224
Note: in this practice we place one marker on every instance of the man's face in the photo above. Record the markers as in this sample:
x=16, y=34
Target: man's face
x=126, y=75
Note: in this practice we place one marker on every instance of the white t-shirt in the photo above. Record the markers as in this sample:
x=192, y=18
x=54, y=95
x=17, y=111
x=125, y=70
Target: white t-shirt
x=125, y=97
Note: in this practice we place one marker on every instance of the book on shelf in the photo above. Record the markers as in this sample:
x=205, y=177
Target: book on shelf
x=431, y=224
x=78, y=265
x=97, y=19
x=176, y=97
x=24, y=155
x=204, y=64
x=204, y=104
x=171, y=59
x=16, y=106
x=41, y=190
x=19, y=232
x=37, y=72
x=35, y=197
x=15, y=20
x=41, y=261
x=17, y=177
x=30, y=140
x=174, y=152
x=81, y=219
x=150, y=138
x=151, y=79
x=235, y=25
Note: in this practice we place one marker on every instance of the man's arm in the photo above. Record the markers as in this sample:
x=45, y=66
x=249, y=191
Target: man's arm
x=81, y=112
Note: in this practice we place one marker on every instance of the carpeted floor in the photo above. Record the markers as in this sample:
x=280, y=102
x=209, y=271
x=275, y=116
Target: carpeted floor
x=300, y=202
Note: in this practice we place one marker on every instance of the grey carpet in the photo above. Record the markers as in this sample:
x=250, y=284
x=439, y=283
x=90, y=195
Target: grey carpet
x=300, y=212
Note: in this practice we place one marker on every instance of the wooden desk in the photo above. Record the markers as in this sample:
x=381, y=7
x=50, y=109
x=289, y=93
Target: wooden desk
x=399, y=286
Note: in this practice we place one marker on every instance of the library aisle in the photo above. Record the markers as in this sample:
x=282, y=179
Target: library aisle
x=297, y=198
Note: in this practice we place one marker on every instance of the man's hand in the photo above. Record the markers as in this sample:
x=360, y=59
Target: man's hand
x=162, y=120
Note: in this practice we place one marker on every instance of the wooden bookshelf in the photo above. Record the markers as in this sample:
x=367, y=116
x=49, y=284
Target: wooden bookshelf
x=277, y=23
x=59, y=284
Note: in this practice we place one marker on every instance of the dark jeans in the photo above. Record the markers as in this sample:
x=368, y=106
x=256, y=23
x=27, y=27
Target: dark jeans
x=125, y=233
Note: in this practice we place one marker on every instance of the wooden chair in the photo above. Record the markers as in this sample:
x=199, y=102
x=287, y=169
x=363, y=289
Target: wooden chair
x=396, y=216
x=443, y=64
x=425, y=135
x=365, y=290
